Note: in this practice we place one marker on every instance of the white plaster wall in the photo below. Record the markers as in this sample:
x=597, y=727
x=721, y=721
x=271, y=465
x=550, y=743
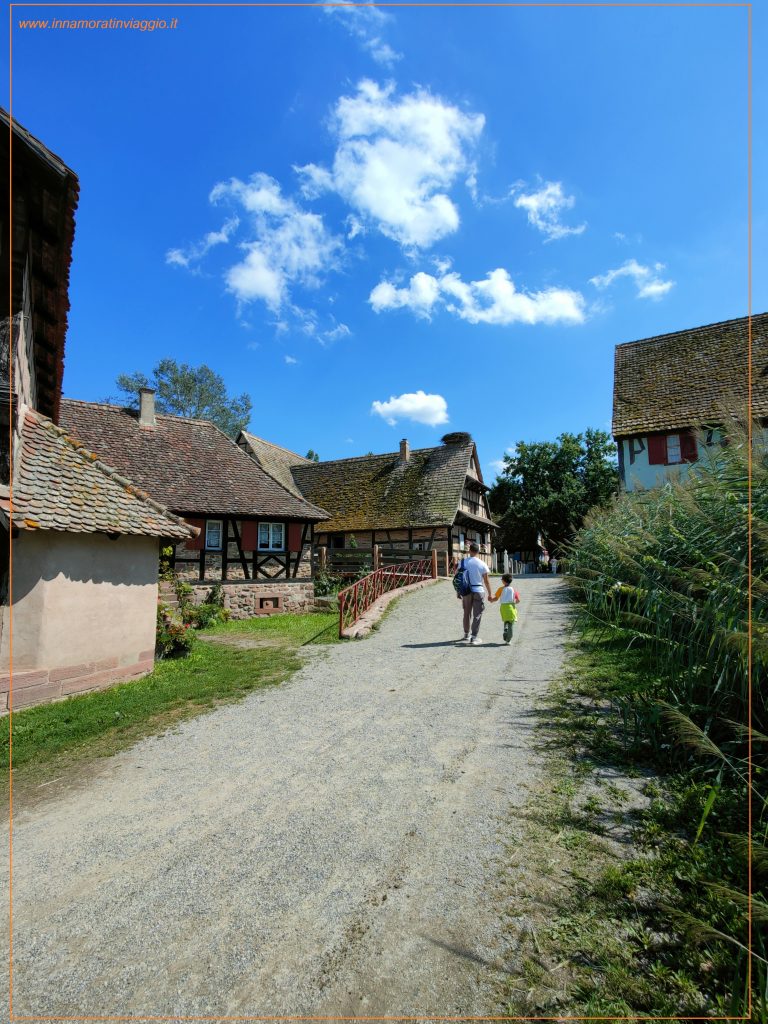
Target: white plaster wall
x=80, y=598
x=640, y=475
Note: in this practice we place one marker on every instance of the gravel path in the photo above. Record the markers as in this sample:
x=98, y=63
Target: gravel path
x=328, y=847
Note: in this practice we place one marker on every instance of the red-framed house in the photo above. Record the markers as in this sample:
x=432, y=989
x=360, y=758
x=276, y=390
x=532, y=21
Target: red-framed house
x=673, y=392
x=255, y=536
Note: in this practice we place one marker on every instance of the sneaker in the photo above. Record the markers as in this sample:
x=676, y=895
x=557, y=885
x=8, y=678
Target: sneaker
x=475, y=640
x=465, y=637
x=507, y=632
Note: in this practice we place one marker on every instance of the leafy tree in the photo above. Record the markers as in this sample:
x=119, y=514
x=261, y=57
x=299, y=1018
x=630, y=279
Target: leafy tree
x=312, y=455
x=194, y=391
x=549, y=486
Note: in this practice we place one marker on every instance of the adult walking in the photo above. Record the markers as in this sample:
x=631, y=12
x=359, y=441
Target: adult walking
x=474, y=601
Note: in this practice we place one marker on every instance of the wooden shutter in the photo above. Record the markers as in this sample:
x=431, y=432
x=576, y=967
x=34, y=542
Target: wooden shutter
x=250, y=536
x=689, y=451
x=294, y=536
x=657, y=450
x=197, y=543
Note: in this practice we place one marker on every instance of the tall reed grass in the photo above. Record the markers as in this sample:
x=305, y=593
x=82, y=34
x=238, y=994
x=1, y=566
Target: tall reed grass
x=668, y=571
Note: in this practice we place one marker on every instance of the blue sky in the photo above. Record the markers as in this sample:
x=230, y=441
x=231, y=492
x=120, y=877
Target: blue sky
x=394, y=222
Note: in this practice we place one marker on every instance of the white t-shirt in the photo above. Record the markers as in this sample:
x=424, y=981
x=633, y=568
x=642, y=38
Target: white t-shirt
x=476, y=570
x=508, y=595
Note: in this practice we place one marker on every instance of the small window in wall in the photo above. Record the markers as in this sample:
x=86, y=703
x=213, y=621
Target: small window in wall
x=271, y=536
x=462, y=540
x=672, y=450
x=213, y=534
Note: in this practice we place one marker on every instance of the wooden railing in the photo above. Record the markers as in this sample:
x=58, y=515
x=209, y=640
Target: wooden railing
x=356, y=599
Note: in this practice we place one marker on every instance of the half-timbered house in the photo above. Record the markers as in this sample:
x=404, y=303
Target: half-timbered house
x=406, y=501
x=255, y=535
x=671, y=393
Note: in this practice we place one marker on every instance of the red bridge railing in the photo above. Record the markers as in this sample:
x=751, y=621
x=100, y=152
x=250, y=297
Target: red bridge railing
x=355, y=600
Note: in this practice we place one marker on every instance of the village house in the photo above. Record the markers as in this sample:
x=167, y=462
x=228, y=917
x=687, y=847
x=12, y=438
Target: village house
x=404, y=502
x=84, y=542
x=255, y=534
x=673, y=394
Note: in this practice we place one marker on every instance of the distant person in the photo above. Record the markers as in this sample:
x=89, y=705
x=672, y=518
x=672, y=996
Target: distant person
x=476, y=582
x=509, y=599
x=553, y=563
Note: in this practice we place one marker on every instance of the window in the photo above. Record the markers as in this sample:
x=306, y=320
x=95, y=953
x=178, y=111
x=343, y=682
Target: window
x=213, y=534
x=271, y=536
x=672, y=450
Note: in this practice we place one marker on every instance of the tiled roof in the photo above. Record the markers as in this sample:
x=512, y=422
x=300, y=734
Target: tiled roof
x=273, y=459
x=379, y=492
x=60, y=485
x=688, y=378
x=189, y=465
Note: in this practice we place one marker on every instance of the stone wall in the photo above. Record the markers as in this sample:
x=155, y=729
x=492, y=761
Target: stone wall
x=249, y=600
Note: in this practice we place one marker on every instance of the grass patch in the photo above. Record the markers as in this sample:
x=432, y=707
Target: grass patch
x=289, y=629
x=608, y=873
x=56, y=737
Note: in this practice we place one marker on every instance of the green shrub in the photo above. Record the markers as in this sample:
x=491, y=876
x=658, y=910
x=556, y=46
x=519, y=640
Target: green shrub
x=172, y=638
x=327, y=583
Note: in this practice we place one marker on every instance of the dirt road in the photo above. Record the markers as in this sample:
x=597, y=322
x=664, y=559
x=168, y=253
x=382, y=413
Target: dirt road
x=329, y=847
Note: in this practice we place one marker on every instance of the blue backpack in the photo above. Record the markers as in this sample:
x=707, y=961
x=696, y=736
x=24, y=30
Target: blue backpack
x=461, y=583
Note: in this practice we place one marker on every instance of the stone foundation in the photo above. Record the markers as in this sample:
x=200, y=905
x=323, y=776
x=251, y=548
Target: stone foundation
x=42, y=685
x=251, y=600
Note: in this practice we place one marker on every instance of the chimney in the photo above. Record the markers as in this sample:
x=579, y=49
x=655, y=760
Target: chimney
x=147, y=407
x=405, y=450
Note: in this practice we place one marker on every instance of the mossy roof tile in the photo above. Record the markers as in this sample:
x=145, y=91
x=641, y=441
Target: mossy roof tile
x=688, y=378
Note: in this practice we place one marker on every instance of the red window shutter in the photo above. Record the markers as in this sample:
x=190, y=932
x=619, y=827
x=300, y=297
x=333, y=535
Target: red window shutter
x=657, y=450
x=250, y=536
x=689, y=451
x=294, y=536
x=197, y=543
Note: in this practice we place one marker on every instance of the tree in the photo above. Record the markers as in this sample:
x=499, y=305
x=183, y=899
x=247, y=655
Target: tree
x=312, y=455
x=548, y=487
x=194, y=391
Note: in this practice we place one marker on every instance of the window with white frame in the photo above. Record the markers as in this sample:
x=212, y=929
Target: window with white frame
x=213, y=534
x=271, y=536
x=674, y=455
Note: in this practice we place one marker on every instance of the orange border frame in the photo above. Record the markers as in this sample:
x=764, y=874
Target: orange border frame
x=408, y=3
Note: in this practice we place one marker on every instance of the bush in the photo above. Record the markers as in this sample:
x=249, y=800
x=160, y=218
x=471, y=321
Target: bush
x=172, y=639
x=328, y=583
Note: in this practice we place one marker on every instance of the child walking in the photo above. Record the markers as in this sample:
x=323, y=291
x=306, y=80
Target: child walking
x=509, y=598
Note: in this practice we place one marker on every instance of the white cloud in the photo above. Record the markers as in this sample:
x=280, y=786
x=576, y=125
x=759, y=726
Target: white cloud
x=544, y=208
x=194, y=253
x=366, y=25
x=395, y=160
x=494, y=300
x=420, y=295
x=339, y=331
x=417, y=406
x=291, y=361
x=646, y=279
x=289, y=244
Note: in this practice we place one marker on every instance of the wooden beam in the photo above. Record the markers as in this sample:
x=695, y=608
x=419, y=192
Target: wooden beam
x=240, y=552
